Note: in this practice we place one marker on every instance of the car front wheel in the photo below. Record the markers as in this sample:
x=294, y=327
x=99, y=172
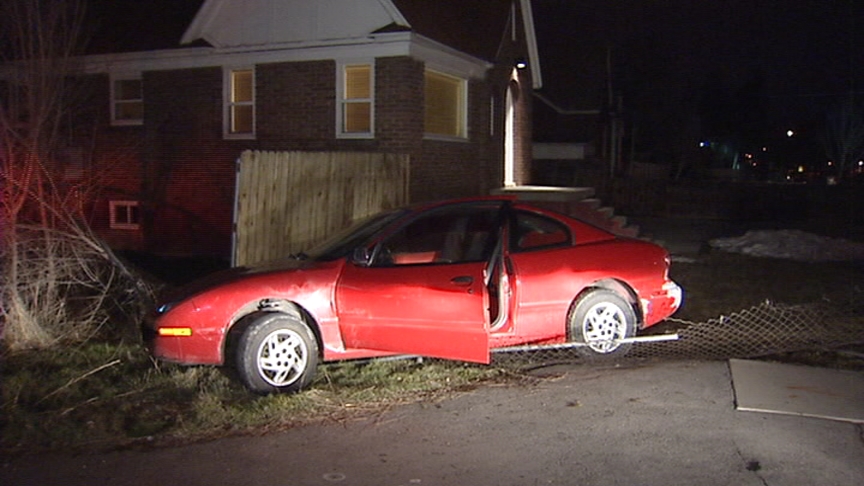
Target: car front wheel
x=600, y=319
x=277, y=353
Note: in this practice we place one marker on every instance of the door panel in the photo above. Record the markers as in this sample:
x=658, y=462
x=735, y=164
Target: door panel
x=429, y=310
x=424, y=290
x=541, y=260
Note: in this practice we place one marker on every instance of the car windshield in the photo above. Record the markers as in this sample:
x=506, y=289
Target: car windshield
x=357, y=235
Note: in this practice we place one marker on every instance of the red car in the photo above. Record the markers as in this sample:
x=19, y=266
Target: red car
x=454, y=280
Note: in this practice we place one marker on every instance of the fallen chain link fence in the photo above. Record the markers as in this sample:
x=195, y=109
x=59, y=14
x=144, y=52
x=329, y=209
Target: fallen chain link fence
x=762, y=330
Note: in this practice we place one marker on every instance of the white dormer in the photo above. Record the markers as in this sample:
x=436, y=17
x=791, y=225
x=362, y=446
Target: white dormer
x=227, y=24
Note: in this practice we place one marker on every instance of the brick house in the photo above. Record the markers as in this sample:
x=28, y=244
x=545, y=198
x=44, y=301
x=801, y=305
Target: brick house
x=446, y=82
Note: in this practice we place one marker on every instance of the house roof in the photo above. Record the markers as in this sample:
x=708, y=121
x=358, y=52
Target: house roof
x=474, y=27
x=468, y=32
x=226, y=23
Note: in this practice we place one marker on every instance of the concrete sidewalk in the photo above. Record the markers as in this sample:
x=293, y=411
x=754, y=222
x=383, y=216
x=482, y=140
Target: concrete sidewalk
x=660, y=423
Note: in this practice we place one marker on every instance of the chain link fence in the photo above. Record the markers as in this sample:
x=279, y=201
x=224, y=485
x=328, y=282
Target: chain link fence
x=762, y=330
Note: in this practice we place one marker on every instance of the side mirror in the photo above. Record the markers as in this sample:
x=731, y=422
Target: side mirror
x=361, y=257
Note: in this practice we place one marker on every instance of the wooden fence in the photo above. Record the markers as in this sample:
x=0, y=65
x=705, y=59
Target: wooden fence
x=287, y=202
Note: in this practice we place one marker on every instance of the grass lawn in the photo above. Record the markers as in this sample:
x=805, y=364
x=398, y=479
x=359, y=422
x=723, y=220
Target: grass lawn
x=109, y=394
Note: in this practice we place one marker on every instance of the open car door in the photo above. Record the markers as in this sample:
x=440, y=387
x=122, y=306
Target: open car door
x=422, y=291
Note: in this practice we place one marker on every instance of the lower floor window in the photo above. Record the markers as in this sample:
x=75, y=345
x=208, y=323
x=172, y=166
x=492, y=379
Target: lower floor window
x=124, y=215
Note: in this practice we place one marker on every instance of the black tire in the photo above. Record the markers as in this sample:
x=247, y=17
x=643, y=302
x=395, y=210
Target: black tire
x=600, y=318
x=276, y=353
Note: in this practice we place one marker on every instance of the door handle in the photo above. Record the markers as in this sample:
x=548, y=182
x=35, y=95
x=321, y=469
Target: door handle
x=464, y=280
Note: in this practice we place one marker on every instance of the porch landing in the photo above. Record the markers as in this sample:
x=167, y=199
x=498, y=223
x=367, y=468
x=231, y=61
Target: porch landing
x=578, y=202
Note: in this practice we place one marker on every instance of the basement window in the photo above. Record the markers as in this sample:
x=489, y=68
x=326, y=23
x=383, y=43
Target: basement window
x=124, y=215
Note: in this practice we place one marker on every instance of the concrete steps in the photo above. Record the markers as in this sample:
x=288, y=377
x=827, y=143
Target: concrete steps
x=578, y=202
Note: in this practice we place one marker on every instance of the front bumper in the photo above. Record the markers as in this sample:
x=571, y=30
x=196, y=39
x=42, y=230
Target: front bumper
x=201, y=346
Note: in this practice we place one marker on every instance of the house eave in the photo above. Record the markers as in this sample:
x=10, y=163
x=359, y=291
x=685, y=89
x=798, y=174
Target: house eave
x=443, y=58
x=390, y=44
x=531, y=36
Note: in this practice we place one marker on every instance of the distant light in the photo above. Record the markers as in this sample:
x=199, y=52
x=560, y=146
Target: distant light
x=861, y=163
x=830, y=163
x=764, y=149
x=800, y=169
x=521, y=64
x=704, y=144
x=789, y=133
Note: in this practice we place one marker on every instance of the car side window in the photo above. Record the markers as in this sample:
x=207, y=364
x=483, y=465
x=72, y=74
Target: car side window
x=453, y=235
x=534, y=231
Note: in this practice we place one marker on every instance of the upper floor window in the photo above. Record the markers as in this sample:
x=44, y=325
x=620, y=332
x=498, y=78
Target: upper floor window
x=445, y=105
x=356, y=100
x=240, y=103
x=127, y=101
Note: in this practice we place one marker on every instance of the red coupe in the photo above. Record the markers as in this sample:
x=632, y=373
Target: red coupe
x=455, y=280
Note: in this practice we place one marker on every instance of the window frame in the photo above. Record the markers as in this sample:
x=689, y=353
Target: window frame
x=229, y=105
x=342, y=99
x=114, y=102
x=461, y=108
x=113, y=212
x=475, y=226
x=540, y=224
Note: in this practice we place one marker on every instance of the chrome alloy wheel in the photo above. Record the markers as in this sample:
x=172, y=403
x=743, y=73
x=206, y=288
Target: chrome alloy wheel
x=603, y=326
x=282, y=357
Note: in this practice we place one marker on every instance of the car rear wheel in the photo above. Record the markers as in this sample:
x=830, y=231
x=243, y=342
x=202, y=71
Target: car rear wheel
x=600, y=319
x=277, y=353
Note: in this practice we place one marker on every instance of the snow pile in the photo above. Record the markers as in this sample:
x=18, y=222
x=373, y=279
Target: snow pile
x=791, y=244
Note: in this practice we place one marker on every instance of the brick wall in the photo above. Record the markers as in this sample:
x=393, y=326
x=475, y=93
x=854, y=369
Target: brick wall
x=182, y=169
x=297, y=105
x=187, y=167
x=448, y=169
x=398, y=93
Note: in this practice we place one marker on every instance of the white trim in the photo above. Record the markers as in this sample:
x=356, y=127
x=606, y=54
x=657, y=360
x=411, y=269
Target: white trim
x=201, y=22
x=493, y=114
x=341, y=101
x=394, y=13
x=112, y=102
x=227, y=72
x=563, y=111
x=531, y=38
x=509, y=137
x=389, y=44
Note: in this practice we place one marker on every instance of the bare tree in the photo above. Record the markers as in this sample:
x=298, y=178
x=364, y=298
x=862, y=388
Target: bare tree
x=56, y=273
x=843, y=138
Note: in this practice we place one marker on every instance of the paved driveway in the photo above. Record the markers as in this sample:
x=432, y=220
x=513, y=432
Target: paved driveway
x=670, y=423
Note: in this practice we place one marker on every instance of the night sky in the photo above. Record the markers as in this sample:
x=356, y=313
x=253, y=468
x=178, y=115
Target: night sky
x=673, y=60
x=683, y=68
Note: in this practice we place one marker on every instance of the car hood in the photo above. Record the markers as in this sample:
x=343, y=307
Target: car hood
x=231, y=275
